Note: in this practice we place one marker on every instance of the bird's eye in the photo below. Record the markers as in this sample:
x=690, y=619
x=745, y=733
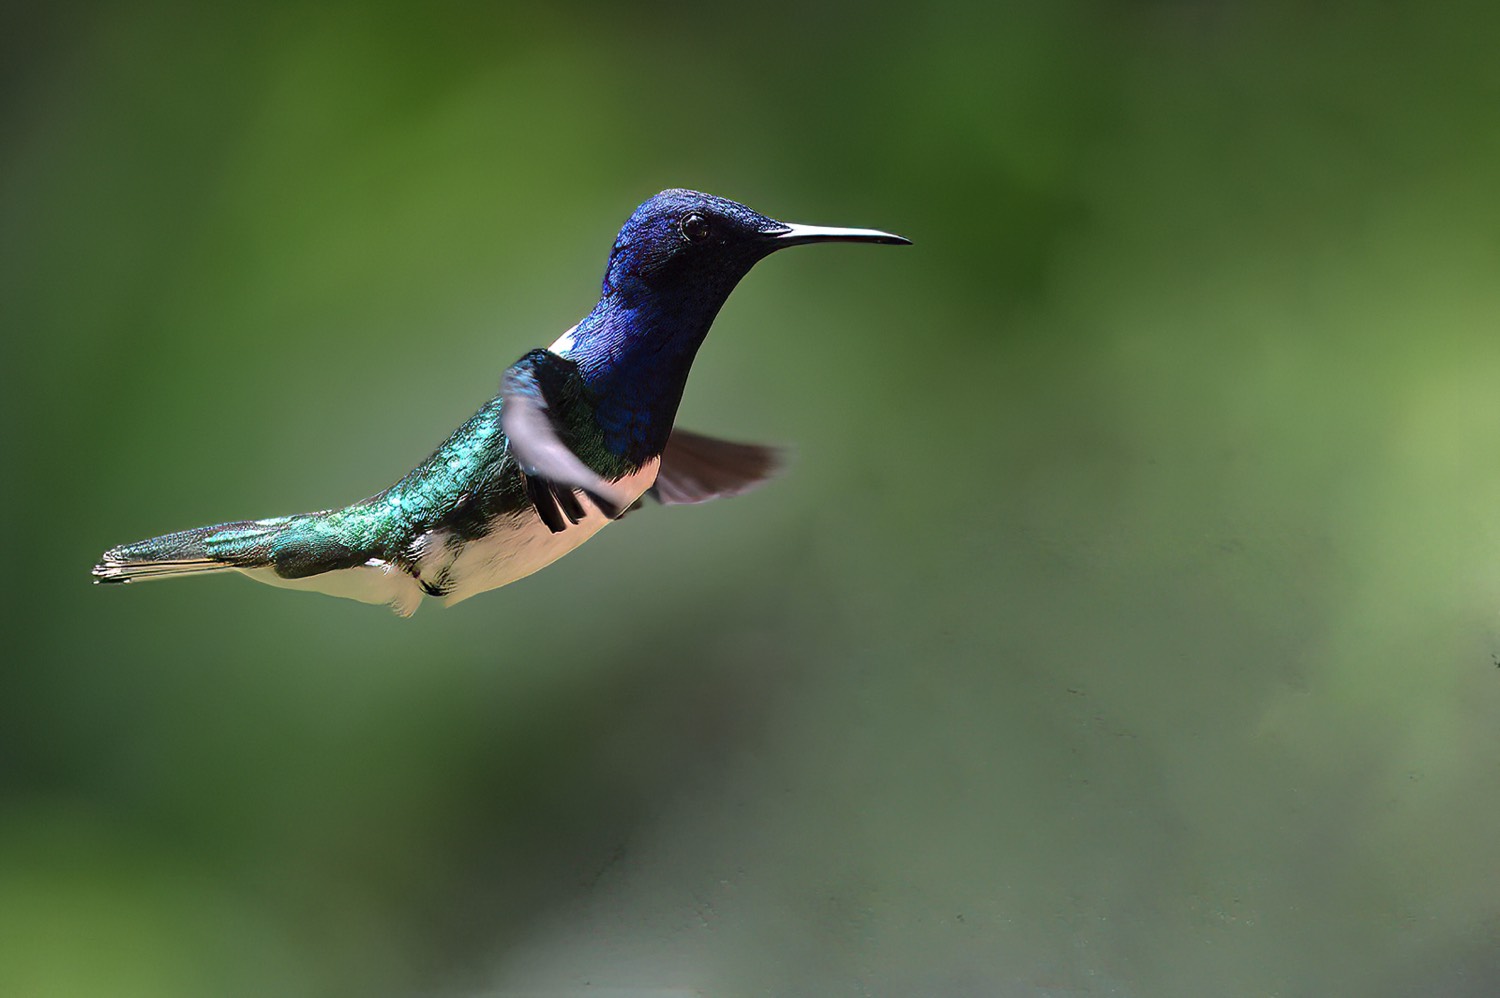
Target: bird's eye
x=694, y=227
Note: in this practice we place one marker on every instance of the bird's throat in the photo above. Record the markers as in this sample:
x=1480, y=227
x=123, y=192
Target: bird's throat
x=634, y=361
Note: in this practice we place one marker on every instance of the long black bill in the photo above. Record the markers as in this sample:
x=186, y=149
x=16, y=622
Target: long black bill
x=796, y=235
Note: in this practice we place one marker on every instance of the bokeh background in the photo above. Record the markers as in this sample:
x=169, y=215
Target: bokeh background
x=1128, y=623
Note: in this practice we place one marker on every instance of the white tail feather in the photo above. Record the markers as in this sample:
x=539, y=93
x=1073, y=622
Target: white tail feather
x=115, y=569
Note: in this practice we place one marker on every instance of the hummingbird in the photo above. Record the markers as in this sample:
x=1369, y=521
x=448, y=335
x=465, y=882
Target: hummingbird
x=579, y=434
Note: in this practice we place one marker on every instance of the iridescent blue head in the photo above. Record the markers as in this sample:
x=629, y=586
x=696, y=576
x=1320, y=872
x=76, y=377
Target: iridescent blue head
x=674, y=263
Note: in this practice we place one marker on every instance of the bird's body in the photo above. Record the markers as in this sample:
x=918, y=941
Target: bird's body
x=442, y=560
x=578, y=434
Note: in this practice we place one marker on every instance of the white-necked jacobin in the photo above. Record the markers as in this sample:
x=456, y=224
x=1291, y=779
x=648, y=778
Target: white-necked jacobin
x=579, y=433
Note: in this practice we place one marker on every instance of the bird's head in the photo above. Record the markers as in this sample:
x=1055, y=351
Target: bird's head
x=698, y=246
x=674, y=263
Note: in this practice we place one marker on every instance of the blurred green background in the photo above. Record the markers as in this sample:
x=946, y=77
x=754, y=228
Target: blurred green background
x=1126, y=625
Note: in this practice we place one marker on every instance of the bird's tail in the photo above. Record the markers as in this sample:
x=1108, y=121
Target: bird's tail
x=216, y=548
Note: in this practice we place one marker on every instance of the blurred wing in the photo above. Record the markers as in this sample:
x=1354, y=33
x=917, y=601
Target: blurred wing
x=552, y=470
x=695, y=468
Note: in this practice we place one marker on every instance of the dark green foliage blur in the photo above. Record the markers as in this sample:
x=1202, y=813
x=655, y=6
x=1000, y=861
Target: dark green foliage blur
x=1127, y=623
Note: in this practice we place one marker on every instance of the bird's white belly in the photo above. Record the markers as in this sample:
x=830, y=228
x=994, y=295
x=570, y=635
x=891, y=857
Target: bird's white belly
x=514, y=550
x=373, y=582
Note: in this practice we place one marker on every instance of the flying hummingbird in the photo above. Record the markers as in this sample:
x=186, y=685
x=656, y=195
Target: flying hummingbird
x=579, y=433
